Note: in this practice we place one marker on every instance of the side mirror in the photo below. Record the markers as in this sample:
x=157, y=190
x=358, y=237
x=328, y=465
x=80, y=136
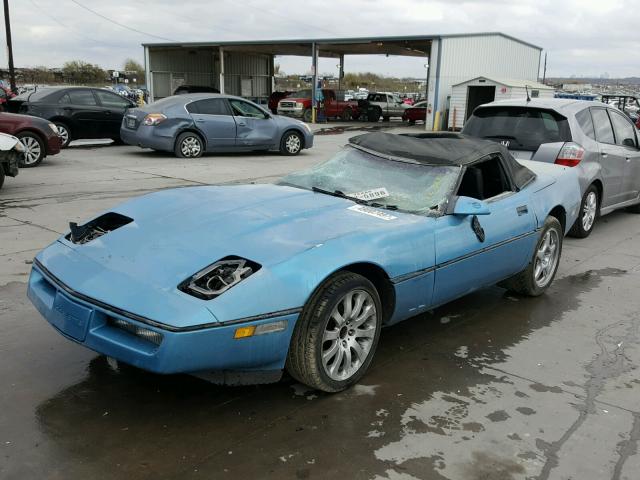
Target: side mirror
x=629, y=142
x=470, y=206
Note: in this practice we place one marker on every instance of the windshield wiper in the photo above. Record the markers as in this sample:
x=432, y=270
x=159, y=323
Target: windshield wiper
x=369, y=203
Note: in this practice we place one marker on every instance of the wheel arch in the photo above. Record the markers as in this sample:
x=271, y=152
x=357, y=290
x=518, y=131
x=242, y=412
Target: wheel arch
x=293, y=129
x=560, y=214
x=36, y=133
x=600, y=186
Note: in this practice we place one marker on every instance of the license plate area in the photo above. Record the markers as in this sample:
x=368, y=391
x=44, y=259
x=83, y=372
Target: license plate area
x=131, y=123
x=70, y=317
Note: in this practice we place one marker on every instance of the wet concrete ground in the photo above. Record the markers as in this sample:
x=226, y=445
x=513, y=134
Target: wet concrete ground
x=492, y=386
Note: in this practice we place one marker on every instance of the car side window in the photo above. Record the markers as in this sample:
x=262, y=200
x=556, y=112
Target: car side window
x=210, y=106
x=111, y=100
x=245, y=109
x=586, y=124
x=82, y=97
x=64, y=99
x=624, y=130
x=485, y=180
x=602, y=126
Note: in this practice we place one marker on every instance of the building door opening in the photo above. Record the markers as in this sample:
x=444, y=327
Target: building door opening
x=477, y=96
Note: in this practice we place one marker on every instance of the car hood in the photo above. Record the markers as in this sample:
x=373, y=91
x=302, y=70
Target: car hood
x=18, y=118
x=175, y=233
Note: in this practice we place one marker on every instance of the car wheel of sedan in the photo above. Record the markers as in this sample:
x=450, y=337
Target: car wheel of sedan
x=291, y=143
x=588, y=214
x=336, y=336
x=540, y=272
x=189, y=145
x=64, y=133
x=34, y=149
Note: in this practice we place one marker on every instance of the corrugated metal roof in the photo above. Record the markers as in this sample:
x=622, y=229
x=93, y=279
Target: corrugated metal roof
x=330, y=41
x=508, y=82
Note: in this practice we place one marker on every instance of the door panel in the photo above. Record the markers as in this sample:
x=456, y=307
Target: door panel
x=255, y=128
x=627, y=148
x=113, y=107
x=213, y=118
x=84, y=113
x=612, y=158
x=466, y=264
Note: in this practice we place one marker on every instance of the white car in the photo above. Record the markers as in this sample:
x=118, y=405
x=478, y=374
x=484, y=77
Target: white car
x=11, y=151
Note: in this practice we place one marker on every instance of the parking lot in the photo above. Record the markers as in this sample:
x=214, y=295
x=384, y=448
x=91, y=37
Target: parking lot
x=492, y=386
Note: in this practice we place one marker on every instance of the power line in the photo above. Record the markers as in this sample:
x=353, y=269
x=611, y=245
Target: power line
x=121, y=24
x=66, y=27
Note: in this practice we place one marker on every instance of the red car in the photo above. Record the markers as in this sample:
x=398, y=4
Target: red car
x=638, y=122
x=39, y=136
x=416, y=113
x=275, y=97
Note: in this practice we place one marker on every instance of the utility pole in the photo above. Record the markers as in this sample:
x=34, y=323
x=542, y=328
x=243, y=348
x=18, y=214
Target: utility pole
x=544, y=75
x=7, y=28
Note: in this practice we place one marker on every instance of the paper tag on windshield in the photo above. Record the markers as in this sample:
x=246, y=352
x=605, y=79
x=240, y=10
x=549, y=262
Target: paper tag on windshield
x=372, y=212
x=372, y=194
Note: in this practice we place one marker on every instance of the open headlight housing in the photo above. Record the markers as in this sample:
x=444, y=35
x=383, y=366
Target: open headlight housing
x=219, y=277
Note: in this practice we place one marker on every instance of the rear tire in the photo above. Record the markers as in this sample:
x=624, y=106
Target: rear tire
x=374, y=115
x=333, y=344
x=189, y=145
x=35, y=151
x=589, y=211
x=531, y=281
x=347, y=115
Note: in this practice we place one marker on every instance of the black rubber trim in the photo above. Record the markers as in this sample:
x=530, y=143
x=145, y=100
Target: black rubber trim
x=417, y=273
x=162, y=326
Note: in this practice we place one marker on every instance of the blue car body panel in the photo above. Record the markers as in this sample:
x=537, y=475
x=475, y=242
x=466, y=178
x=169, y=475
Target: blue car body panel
x=221, y=133
x=299, y=238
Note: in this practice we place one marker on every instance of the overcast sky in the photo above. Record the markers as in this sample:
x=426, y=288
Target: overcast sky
x=582, y=37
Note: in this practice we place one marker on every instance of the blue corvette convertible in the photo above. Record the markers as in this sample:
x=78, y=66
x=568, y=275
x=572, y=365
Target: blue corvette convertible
x=237, y=283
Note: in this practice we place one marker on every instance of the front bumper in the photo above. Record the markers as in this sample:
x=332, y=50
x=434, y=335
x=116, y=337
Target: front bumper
x=54, y=144
x=291, y=112
x=211, y=349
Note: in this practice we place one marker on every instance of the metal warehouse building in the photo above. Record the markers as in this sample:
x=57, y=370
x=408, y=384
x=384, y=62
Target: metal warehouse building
x=246, y=68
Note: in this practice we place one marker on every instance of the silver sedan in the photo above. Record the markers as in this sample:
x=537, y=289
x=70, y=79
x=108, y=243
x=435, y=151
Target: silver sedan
x=190, y=125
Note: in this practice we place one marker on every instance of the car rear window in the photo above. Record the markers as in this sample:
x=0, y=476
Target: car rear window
x=523, y=128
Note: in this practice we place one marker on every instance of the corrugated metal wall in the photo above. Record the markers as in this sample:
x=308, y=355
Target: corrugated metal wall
x=464, y=58
x=173, y=67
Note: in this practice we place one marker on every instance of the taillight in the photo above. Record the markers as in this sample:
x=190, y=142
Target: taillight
x=570, y=155
x=154, y=119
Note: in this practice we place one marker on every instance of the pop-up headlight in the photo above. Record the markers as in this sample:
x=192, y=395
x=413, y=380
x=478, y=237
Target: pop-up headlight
x=219, y=277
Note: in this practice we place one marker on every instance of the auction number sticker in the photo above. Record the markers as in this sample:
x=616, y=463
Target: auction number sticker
x=372, y=212
x=372, y=194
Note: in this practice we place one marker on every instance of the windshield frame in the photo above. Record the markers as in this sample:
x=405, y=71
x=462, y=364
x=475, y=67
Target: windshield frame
x=441, y=209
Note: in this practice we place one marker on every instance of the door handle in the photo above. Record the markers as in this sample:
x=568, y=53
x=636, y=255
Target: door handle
x=242, y=124
x=604, y=155
x=200, y=120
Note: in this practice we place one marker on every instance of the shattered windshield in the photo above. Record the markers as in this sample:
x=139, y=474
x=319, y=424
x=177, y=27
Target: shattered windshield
x=380, y=182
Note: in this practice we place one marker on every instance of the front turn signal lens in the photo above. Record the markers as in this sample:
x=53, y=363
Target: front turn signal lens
x=244, y=332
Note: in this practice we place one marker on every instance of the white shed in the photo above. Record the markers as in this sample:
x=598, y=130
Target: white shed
x=466, y=96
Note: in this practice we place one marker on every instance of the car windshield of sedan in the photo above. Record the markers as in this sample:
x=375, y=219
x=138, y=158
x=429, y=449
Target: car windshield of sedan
x=380, y=182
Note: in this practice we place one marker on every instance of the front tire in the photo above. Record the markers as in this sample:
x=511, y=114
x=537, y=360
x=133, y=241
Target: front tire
x=34, y=149
x=347, y=115
x=291, y=143
x=65, y=134
x=307, y=115
x=189, y=145
x=589, y=208
x=539, y=274
x=336, y=336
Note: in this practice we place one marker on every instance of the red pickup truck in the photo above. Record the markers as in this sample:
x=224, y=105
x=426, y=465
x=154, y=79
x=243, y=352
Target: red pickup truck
x=334, y=106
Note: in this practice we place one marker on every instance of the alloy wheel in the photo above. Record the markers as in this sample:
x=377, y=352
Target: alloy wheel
x=349, y=335
x=33, y=150
x=589, y=211
x=547, y=256
x=190, y=147
x=63, y=133
x=293, y=144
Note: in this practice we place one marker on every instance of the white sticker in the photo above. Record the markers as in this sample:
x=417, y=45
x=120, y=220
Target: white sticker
x=372, y=194
x=372, y=212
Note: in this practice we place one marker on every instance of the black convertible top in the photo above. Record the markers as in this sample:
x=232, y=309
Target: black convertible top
x=446, y=148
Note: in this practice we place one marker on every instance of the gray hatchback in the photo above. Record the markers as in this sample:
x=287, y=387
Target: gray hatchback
x=595, y=138
x=192, y=124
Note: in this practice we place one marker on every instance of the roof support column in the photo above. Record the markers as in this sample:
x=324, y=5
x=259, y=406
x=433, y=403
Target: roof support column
x=221, y=53
x=314, y=81
x=147, y=74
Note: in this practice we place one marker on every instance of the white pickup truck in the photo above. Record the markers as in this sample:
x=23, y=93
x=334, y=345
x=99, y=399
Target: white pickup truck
x=385, y=105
